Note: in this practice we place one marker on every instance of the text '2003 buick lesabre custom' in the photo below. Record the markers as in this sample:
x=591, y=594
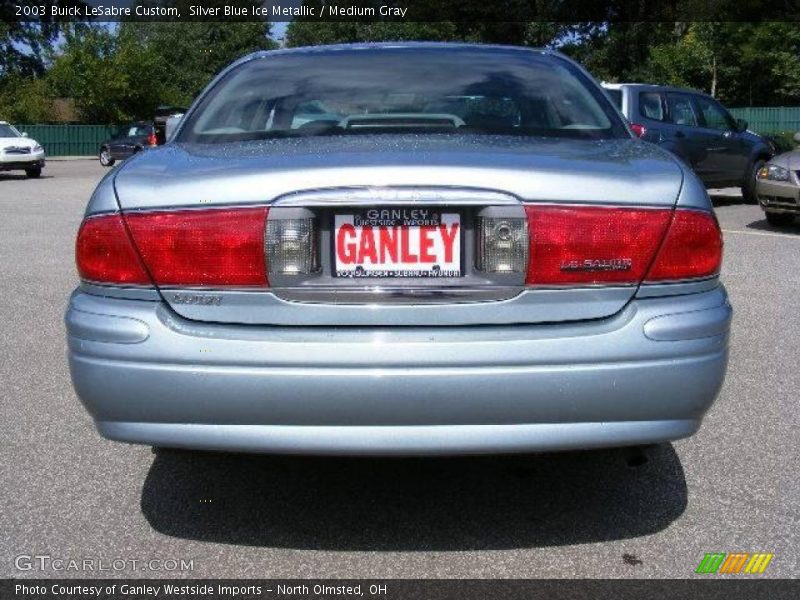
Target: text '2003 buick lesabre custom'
x=399, y=249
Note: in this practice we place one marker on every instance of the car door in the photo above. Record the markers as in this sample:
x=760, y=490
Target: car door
x=116, y=144
x=681, y=125
x=726, y=151
x=133, y=138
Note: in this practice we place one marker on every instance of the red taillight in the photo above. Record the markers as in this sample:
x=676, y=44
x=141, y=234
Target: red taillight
x=152, y=140
x=592, y=244
x=691, y=250
x=104, y=253
x=596, y=245
x=215, y=247
x=638, y=130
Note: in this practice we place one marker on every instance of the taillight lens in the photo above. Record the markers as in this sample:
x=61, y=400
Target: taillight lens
x=215, y=247
x=104, y=253
x=691, y=250
x=638, y=129
x=592, y=244
x=573, y=245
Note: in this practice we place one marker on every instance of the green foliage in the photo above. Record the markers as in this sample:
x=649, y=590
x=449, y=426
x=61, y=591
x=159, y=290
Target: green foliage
x=86, y=71
x=188, y=55
x=742, y=64
x=120, y=73
x=313, y=33
x=24, y=46
x=25, y=100
x=783, y=141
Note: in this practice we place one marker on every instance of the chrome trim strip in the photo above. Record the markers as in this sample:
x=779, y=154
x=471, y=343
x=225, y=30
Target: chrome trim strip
x=128, y=292
x=677, y=288
x=393, y=196
x=396, y=295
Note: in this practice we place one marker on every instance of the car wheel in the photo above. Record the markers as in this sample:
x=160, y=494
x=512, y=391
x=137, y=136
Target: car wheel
x=749, y=187
x=33, y=172
x=105, y=158
x=780, y=219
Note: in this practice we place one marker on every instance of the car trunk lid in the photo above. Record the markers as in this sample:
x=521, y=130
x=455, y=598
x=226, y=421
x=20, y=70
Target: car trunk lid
x=450, y=183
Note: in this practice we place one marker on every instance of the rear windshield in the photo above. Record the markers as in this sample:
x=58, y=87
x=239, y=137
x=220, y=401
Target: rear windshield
x=402, y=90
x=135, y=130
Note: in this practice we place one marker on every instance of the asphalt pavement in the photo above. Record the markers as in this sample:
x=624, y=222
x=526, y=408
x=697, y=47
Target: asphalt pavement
x=68, y=494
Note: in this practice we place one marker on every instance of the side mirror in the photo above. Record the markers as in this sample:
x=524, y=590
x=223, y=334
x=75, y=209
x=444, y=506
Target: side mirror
x=796, y=138
x=24, y=134
x=172, y=125
x=741, y=125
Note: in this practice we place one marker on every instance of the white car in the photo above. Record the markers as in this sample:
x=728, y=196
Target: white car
x=19, y=152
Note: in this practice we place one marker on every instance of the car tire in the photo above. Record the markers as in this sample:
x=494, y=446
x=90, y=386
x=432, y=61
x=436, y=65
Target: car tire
x=33, y=172
x=749, y=187
x=105, y=157
x=780, y=219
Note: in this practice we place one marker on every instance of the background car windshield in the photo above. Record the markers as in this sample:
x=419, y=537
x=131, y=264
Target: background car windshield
x=8, y=131
x=135, y=130
x=401, y=91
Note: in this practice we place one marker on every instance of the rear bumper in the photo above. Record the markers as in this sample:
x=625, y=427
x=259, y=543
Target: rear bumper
x=401, y=440
x=645, y=375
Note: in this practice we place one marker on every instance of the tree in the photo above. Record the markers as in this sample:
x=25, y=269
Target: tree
x=189, y=55
x=771, y=65
x=313, y=33
x=739, y=63
x=24, y=45
x=616, y=51
x=26, y=100
x=107, y=74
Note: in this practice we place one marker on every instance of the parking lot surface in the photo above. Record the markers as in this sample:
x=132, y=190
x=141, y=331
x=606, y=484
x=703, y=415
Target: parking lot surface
x=67, y=493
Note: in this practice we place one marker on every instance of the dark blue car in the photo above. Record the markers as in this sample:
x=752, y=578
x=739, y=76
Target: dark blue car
x=698, y=129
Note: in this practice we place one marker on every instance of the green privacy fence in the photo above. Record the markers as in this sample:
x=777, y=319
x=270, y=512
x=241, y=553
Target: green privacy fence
x=770, y=119
x=84, y=140
x=69, y=140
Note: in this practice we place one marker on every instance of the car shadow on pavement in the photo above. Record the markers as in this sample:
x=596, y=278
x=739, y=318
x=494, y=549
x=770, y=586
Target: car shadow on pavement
x=414, y=504
x=719, y=200
x=19, y=177
x=763, y=225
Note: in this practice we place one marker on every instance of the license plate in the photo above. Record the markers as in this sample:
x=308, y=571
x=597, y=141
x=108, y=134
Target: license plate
x=398, y=242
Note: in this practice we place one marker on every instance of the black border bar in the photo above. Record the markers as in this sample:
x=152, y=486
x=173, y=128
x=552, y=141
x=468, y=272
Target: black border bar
x=711, y=587
x=461, y=11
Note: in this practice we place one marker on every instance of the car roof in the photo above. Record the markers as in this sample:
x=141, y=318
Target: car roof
x=367, y=46
x=651, y=87
x=377, y=46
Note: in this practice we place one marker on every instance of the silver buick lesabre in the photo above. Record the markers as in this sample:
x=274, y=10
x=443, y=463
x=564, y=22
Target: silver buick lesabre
x=399, y=249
